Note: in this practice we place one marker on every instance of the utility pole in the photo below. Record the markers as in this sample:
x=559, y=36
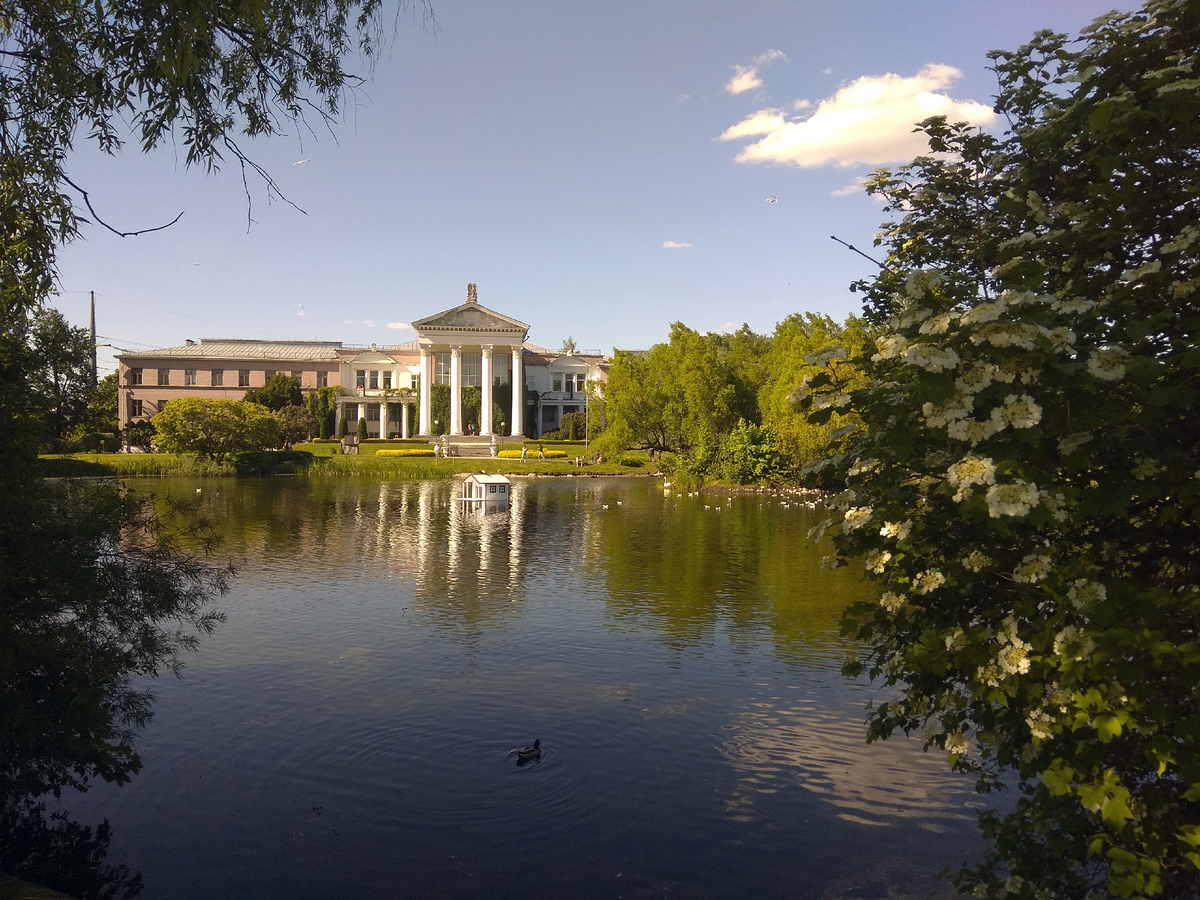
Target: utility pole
x=95, y=377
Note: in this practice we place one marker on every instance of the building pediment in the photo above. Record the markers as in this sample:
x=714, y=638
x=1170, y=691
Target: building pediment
x=373, y=358
x=469, y=317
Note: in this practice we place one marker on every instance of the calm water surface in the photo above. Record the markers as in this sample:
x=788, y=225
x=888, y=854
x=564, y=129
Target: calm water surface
x=346, y=732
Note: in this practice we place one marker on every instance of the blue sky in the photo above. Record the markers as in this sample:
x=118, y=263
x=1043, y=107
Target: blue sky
x=556, y=155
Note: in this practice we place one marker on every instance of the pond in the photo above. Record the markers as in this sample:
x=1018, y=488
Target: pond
x=347, y=732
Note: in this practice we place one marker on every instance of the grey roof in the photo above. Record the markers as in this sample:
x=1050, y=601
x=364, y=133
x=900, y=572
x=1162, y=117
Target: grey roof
x=237, y=348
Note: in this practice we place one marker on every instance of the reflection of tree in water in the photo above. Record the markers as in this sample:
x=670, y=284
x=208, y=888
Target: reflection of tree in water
x=686, y=563
x=52, y=851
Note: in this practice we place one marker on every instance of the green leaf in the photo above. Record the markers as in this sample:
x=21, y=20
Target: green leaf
x=1107, y=727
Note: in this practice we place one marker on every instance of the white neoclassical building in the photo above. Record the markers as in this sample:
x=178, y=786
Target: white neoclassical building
x=471, y=346
x=466, y=346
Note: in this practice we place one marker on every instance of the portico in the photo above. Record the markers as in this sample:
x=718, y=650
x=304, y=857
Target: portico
x=471, y=345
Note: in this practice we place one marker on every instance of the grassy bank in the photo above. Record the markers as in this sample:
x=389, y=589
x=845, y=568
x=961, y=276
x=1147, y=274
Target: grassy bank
x=309, y=460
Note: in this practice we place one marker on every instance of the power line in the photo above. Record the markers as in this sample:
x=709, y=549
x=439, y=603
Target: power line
x=172, y=312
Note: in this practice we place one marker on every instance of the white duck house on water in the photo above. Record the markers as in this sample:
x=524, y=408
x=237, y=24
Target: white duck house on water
x=486, y=492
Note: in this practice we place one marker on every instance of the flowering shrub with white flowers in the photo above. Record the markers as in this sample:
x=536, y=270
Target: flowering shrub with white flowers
x=1026, y=490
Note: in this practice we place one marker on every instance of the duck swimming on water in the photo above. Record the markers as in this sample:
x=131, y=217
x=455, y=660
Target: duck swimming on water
x=527, y=754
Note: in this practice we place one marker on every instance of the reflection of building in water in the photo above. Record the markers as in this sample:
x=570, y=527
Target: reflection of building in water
x=824, y=751
x=485, y=493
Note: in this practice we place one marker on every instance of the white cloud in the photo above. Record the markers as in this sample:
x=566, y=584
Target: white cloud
x=854, y=187
x=867, y=121
x=370, y=323
x=399, y=325
x=348, y=322
x=746, y=78
x=675, y=245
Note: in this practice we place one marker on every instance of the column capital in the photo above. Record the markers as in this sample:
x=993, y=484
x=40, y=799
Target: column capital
x=454, y=349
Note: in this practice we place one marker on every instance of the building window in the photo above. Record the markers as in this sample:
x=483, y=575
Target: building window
x=135, y=376
x=135, y=408
x=374, y=379
x=322, y=379
x=164, y=376
x=189, y=377
x=243, y=378
x=352, y=412
x=504, y=489
x=557, y=383
x=472, y=369
x=441, y=368
x=372, y=412
x=268, y=374
x=218, y=377
x=415, y=381
x=387, y=381
x=360, y=379
x=162, y=404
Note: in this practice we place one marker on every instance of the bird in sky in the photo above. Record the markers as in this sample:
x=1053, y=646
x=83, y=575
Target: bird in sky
x=301, y=162
x=771, y=199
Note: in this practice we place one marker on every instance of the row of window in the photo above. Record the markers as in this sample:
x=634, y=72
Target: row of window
x=374, y=378
x=217, y=377
x=569, y=383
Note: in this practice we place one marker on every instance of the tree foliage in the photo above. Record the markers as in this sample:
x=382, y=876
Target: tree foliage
x=62, y=377
x=107, y=588
x=214, y=428
x=1026, y=490
x=280, y=391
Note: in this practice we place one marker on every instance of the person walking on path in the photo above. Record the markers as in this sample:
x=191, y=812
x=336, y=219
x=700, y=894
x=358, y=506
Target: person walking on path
x=541, y=452
x=524, y=450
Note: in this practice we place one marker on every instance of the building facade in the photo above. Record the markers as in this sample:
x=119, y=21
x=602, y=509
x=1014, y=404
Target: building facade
x=466, y=346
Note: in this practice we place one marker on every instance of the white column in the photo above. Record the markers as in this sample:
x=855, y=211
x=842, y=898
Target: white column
x=337, y=419
x=456, y=389
x=403, y=420
x=383, y=417
x=485, y=404
x=518, y=394
x=426, y=422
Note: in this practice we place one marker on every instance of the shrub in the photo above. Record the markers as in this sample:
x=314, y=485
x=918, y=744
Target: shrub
x=272, y=462
x=362, y=429
x=408, y=451
x=631, y=462
x=343, y=429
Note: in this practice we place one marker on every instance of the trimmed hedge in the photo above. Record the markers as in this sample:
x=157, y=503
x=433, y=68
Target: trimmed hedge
x=406, y=452
x=531, y=454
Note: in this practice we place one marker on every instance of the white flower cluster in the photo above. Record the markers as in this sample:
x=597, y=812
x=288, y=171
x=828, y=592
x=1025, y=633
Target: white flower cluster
x=1041, y=726
x=977, y=561
x=928, y=581
x=856, y=517
x=1072, y=306
x=892, y=602
x=863, y=465
x=918, y=284
x=1007, y=334
x=983, y=313
x=956, y=639
x=968, y=471
x=1083, y=592
x=1013, y=657
x=974, y=379
x=877, y=561
x=937, y=325
x=1071, y=643
x=958, y=407
x=957, y=743
x=1145, y=468
x=827, y=400
x=824, y=356
x=1107, y=363
x=1014, y=499
x=1033, y=568
x=1018, y=412
x=930, y=357
x=890, y=346
x=897, y=530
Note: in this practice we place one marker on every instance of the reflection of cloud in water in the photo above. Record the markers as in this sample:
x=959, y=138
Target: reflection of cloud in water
x=824, y=751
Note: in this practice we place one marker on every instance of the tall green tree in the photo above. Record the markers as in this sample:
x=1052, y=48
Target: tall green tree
x=280, y=391
x=1025, y=492
x=62, y=382
x=102, y=408
x=802, y=346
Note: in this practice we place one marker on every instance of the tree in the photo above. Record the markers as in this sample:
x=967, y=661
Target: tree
x=362, y=429
x=439, y=400
x=295, y=424
x=280, y=391
x=104, y=583
x=63, y=380
x=102, y=410
x=214, y=428
x=322, y=403
x=1025, y=493
x=568, y=347
x=802, y=346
